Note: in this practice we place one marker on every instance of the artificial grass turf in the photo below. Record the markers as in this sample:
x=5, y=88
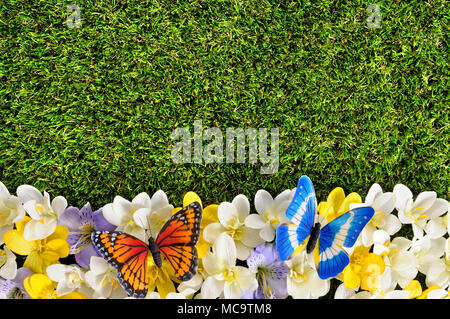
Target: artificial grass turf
x=88, y=112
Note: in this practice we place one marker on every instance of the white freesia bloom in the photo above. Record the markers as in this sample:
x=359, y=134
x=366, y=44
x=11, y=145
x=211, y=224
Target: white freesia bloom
x=418, y=212
x=69, y=278
x=437, y=227
x=303, y=282
x=428, y=252
x=44, y=214
x=439, y=272
x=397, y=255
x=11, y=211
x=103, y=279
x=225, y=278
x=139, y=215
x=190, y=287
x=271, y=213
x=8, y=264
x=383, y=204
x=232, y=222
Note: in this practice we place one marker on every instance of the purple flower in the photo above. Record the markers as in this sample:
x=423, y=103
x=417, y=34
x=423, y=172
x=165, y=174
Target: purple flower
x=81, y=223
x=271, y=273
x=13, y=289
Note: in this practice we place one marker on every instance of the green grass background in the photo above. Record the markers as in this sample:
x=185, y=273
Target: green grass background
x=88, y=113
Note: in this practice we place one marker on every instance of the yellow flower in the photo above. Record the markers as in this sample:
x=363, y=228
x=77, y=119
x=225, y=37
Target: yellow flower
x=42, y=252
x=209, y=215
x=337, y=203
x=363, y=270
x=39, y=286
x=161, y=278
x=414, y=289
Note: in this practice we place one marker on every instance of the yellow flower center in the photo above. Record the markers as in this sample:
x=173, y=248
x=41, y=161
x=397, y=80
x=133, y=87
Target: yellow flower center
x=297, y=276
x=375, y=221
x=112, y=281
x=39, y=246
x=229, y=275
x=413, y=214
x=40, y=208
x=358, y=259
x=73, y=278
x=272, y=220
x=235, y=233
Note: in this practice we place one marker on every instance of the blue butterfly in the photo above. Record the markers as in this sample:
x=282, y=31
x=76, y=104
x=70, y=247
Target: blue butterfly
x=330, y=258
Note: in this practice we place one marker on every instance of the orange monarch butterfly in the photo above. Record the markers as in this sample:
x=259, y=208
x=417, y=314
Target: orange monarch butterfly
x=128, y=254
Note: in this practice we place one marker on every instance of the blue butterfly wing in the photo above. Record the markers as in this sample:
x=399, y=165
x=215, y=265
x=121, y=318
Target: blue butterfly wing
x=288, y=238
x=340, y=232
x=301, y=212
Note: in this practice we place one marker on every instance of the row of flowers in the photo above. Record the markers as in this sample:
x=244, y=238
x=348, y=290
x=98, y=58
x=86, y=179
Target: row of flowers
x=236, y=250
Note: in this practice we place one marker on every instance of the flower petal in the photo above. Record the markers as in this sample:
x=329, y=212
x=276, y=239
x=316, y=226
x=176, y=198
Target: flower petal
x=212, y=232
x=254, y=221
x=263, y=201
x=227, y=214
x=38, y=286
x=374, y=191
x=212, y=288
x=242, y=205
x=425, y=200
x=59, y=204
x=439, y=207
x=28, y=192
x=191, y=197
x=142, y=200
x=402, y=194
x=17, y=243
x=435, y=228
x=225, y=249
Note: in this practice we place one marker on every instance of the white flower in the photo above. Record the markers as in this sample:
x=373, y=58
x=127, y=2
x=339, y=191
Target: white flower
x=8, y=264
x=224, y=276
x=385, y=290
x=170, y=295
x=140, y=214
x=11, y=211
x=190, y=287
x=346, y=293
x=437, y=227
x=271, y=213
x=417, y=212
x=383, y=204
x=103, y=279
x=427, y=251
x=69, y=279
x=396, y=254
x=438, y=294
x=232, y=222
x=386, y=287
x=44, y=214
x=303, y=282
x=439, y=272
